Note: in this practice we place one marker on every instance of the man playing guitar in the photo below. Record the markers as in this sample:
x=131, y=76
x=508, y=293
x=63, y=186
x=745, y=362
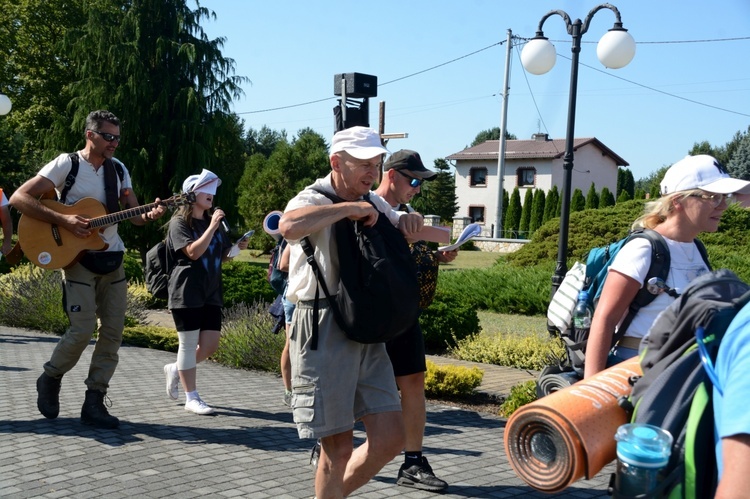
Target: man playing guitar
x=95, y=286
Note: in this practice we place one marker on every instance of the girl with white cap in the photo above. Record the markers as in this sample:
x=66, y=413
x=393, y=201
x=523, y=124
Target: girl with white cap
x=694, y=194
x=200, y=245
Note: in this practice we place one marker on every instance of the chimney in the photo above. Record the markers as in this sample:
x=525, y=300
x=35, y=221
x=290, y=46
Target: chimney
x=541, y=137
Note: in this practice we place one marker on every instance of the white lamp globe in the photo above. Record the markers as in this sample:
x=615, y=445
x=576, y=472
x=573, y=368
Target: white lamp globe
x=616, y=49
x=538, y=56
x=5, y=105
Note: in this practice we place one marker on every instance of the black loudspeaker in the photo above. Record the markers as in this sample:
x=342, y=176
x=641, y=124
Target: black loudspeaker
x=355, y=116
x=357, y=85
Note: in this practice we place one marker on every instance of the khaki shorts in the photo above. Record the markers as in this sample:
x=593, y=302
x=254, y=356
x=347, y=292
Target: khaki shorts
x=340, y=382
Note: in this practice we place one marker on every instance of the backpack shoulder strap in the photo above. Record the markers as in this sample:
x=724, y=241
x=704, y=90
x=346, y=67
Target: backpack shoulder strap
x=71, y=178
x=703, y=252
x=111, y=192
x=659, y=268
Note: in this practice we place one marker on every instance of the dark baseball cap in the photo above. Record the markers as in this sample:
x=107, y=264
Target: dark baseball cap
x=409, y=161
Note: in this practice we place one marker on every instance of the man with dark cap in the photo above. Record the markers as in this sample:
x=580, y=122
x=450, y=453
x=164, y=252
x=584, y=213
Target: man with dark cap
x=402, y=180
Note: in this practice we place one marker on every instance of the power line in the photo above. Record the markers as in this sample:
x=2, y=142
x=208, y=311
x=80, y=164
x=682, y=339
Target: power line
x=526, y=40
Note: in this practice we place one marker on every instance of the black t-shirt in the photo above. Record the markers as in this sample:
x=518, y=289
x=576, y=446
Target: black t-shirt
x=195, y=283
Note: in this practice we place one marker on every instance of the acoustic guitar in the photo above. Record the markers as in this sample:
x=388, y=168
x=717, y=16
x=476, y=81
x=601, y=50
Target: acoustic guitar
x=51, y=247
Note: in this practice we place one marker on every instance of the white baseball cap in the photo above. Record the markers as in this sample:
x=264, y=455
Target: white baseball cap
x=701, y=172
x=206, y=181
x=359, y=141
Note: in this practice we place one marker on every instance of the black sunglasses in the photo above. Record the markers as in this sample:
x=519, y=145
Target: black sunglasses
x=413, y=182
x=107, y=136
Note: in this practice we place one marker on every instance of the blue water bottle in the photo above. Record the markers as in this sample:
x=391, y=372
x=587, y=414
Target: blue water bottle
x=642, y=451
x=582, y=317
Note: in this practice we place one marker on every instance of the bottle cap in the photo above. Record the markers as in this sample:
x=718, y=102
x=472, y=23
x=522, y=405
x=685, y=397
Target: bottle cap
x=583, y=295
x=643, y=445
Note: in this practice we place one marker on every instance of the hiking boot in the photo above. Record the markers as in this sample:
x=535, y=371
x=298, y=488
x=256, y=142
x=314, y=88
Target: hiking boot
x=95, y=414
x=173, y=380
x=420, y=476
x=48, y=395
x=315, y=455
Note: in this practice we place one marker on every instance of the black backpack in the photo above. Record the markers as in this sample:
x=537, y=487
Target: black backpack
x=157, y=270
x=111, y=192
x=675, y=391
x=378, y=296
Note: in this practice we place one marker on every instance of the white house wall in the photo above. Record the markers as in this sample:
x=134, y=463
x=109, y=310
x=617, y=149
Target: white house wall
x=590, y=164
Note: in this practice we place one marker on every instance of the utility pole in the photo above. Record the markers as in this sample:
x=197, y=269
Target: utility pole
x=501, y=154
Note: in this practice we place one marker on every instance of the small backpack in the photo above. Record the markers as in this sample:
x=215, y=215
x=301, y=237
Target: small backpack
x=157, y=270
x=675, y=391
x=378, y=296
x=276, y=278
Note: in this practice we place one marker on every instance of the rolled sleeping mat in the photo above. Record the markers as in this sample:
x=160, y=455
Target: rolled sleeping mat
x=569, y=434
x=553, y=382
x=271, y=224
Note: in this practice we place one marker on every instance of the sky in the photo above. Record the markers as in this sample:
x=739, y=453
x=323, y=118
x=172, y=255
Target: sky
x=440, y=67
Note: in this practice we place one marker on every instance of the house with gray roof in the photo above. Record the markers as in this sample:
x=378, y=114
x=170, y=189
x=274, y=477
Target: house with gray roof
x=529, y=164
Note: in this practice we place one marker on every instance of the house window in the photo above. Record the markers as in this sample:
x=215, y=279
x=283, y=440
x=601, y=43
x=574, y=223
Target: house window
x=476, y=213
x=478, y=176
x=526, y=176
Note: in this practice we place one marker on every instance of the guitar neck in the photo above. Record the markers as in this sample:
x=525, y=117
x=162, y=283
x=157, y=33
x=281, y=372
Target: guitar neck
x=113, y=218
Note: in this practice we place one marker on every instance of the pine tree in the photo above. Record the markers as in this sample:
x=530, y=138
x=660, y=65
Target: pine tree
x=513, y=218
x=550, y=206
x=592, y=198
x=640, y=194
x=438, y=196
x=537, y=211
x=523, y=227
x=606, y=198
x=739, y=165
x=577, y=202
x=624, y=196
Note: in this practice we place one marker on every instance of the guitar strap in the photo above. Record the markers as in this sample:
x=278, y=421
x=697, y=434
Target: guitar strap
x=110, y=181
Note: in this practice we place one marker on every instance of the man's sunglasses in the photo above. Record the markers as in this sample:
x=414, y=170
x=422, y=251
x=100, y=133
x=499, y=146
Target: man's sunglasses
x=413, y=182
x=107, y=136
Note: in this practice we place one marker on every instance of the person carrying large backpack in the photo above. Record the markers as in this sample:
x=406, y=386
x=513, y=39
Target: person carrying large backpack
x=694, y=195
x=336, y=379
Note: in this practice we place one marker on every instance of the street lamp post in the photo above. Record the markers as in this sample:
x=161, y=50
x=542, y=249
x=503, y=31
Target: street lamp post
x=615, y=50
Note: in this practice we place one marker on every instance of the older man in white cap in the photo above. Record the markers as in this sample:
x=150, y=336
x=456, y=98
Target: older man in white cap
x=340, y=381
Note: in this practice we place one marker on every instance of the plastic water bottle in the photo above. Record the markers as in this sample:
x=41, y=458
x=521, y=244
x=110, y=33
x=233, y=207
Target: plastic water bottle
x=642, y=451
x=582, y=316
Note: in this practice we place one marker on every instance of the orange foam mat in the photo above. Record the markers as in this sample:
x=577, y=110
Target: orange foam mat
x=567, y=435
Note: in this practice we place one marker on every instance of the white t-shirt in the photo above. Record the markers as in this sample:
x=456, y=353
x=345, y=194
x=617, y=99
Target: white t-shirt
x=89, y=184
x=634, y=259
x=302, y=282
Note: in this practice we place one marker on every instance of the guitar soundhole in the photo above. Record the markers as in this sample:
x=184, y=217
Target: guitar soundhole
x=56, y=234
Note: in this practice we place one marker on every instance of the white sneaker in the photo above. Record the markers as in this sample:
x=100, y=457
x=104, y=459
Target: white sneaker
x=173, y=380
x=198, y=407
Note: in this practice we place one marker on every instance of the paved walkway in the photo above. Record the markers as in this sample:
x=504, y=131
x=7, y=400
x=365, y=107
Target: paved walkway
x=249, y=448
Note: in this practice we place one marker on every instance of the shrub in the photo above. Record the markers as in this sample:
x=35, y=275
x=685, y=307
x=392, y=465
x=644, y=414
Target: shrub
x=522, y=352
x=247, y=341
x=245, y=282
x=31, y=297
x=451, y=381
x=502, y=288
x=449, y=318
x=157, y=337
x=133, y=266
x=139, y=300
x=520, y=395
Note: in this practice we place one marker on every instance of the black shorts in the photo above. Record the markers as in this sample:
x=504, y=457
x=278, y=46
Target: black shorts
x=407, y=352
x=205, y=318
